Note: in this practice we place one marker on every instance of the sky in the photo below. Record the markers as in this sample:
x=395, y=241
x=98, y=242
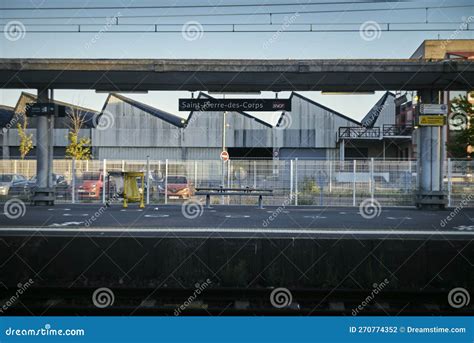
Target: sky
x=282, y=43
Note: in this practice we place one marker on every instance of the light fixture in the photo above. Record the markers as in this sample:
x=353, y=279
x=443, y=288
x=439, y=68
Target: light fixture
x=347, y=93
x=235, y=93
x=120, y=91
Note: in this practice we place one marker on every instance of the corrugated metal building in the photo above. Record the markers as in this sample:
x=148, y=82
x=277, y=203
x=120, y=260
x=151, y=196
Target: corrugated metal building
x=128, y=129
x=11, y=141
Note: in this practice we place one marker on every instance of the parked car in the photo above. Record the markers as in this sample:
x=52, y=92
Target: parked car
x=90, y=185
x=178, y=187
x=10, y=182
x=26, y=188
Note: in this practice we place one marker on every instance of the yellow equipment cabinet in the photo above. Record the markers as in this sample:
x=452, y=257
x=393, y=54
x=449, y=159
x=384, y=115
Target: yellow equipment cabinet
x=131, y=191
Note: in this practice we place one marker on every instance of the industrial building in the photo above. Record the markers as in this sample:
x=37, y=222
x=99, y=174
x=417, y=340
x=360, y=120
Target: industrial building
x=129, y=129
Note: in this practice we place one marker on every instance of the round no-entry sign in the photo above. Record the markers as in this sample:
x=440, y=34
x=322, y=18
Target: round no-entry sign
x=224, y=156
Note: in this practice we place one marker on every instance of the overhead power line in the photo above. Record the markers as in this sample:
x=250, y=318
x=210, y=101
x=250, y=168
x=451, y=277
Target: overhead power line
x=425, y=8
x=265, y=4
x=234, y=29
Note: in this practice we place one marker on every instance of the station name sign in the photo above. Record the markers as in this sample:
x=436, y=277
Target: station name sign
x=256, y=105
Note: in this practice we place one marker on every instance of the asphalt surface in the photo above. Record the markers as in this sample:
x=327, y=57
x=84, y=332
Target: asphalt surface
x=238, y=221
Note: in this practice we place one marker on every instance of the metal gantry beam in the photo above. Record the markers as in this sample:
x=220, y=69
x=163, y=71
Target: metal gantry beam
x=236, y=75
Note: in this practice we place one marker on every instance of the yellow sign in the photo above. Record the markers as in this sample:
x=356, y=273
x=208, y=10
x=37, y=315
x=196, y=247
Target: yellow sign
x=434, y=120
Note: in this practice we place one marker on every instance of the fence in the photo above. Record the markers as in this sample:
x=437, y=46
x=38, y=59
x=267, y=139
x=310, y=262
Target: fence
x=294, y=182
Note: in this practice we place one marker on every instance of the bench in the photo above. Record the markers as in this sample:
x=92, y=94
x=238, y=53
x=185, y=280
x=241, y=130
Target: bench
x=222, y=191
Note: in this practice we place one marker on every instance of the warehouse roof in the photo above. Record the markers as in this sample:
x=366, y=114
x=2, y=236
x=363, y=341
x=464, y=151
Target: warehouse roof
x=316, y=104
x=168, y=117
x=245, y=114
x=6, y=115
x=88, y=114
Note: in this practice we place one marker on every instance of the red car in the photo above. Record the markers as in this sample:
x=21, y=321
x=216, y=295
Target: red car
x=91, y=186
x=178, y=187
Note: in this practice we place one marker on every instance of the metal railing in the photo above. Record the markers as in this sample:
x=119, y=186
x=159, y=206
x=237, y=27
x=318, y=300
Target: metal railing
x=396, y=130
x=294, y=182
x=354, y=132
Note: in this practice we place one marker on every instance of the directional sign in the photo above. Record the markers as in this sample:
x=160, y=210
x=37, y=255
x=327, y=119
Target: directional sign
x=431, y=120
x=255, y=105
x=45, y=109
x=224, y=156
x=433, y=109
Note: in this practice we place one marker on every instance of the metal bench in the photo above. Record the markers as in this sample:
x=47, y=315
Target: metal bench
x=222, y=191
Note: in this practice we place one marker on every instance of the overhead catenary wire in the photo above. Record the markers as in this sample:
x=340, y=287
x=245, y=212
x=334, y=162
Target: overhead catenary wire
x=273, y=13
x=263, y=4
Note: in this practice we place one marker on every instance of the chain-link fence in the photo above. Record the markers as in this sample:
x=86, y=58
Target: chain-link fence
x=293, y=182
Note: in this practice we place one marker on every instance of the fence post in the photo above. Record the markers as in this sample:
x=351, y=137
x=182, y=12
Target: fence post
x=450, y=184
x=330, y=176
x=254, y=174
x=73, y=181
x=123, y=165
x=354, y=170
x=296, y=181
x=372, y=182
x=291, y=181
x=228, y=179
x=15, y=167
x=166, y=181
x=148, y=180
x=104, y=179
x=195, y=173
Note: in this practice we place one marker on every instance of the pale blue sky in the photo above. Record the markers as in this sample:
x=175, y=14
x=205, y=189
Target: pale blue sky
x=286, y=45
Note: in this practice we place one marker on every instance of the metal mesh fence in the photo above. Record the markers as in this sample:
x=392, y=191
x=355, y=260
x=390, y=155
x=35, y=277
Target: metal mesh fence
x=295, y=182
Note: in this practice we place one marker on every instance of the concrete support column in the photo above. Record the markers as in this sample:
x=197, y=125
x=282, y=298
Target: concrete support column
x=44, y=191
x=42, y=144
x=430, y=193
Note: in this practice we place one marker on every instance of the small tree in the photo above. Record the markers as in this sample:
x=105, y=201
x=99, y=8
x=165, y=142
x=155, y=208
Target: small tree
x=26, y=140
x=78, y=147
x=459, y=143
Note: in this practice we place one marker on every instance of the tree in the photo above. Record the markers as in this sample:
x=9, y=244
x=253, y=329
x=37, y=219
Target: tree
x=26, y=140
x=459, y=143
x=78, y=147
